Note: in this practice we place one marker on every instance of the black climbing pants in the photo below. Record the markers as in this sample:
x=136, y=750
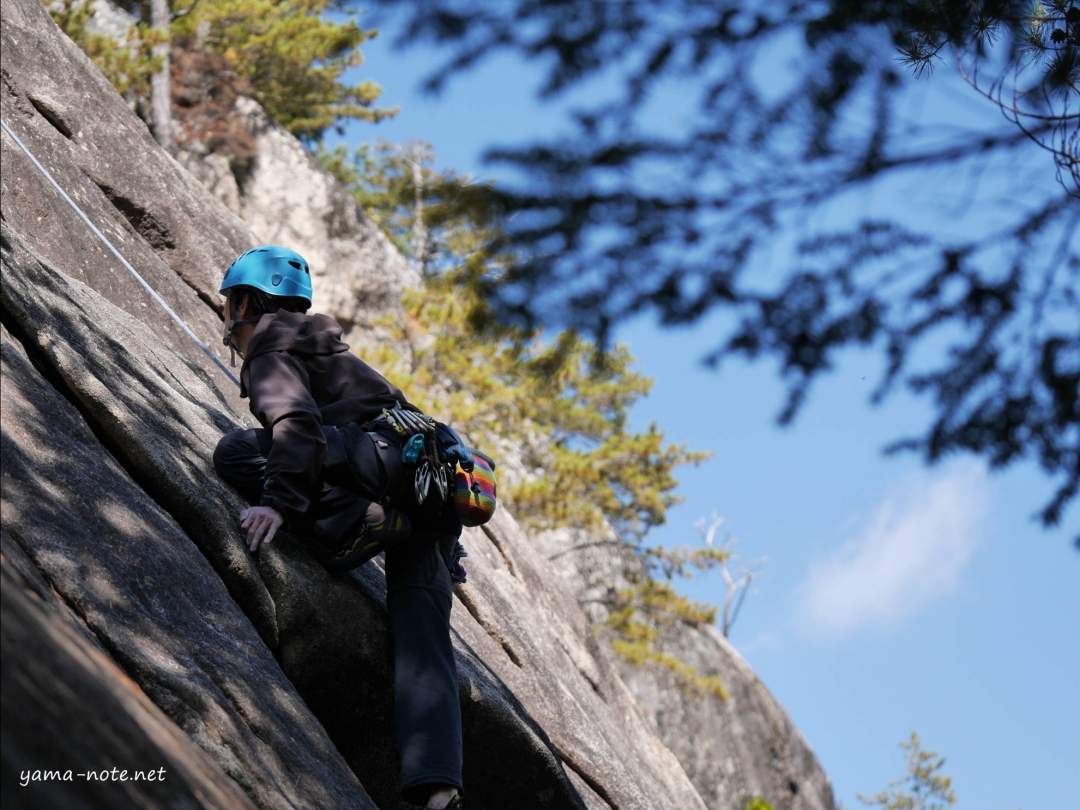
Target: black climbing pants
x=427, y=712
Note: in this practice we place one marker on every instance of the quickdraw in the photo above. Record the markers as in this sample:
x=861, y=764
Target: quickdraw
x=406, y=422
x=421, y=448
x=438, y=451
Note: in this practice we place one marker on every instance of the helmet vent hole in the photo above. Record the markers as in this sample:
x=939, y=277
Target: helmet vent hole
x=297, y=265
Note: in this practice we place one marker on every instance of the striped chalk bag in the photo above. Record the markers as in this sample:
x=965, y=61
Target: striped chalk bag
x=474, y=490
x=437, y=453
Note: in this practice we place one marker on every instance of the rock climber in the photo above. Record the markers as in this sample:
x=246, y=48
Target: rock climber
x=327, y=465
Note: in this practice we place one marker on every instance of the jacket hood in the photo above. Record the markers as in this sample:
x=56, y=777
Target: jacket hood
x=297, y=333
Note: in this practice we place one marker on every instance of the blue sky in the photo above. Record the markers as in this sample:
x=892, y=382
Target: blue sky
x=890, y=597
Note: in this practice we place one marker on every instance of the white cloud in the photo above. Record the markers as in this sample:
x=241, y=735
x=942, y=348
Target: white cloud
x=912, y=550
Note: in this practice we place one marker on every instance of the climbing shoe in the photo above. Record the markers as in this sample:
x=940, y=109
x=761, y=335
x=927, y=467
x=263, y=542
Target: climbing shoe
x=371, y=538
x=393, y=528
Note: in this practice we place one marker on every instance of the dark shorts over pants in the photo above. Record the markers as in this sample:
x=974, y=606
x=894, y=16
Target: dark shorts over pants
x=427, y=712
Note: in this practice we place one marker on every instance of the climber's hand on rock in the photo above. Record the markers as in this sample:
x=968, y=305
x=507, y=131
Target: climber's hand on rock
x=262, y=523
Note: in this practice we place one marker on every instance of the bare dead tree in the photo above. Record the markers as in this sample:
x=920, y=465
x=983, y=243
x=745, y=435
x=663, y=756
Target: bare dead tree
x=736, y=582
x=420, y=232
x=160, y=82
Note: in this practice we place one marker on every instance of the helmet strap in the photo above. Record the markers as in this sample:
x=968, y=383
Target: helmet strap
x=227, y=338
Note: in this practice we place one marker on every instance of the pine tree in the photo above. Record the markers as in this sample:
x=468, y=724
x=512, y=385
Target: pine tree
x=924, y=787
x=289, y=53
x=293, y=56
x=127, y=64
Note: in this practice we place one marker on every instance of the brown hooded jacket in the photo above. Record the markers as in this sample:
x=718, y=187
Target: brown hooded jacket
x=299, y=376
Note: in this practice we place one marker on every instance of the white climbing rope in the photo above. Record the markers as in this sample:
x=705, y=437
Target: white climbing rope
x=153, y=293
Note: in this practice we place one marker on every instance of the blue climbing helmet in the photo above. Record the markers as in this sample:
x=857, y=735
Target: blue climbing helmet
x=274, y=270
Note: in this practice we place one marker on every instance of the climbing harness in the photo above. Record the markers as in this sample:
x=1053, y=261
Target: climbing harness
x=421, y=449
x=127, y=266
x=444, y=465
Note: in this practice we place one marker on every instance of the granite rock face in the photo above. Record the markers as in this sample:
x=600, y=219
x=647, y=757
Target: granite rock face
x=160, y=634
x=66, y=701
x=156, y=214
x=159, y=218
x=731, y=749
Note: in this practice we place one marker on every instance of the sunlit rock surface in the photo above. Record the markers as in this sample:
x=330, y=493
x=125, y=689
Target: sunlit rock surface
x=733, y=749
